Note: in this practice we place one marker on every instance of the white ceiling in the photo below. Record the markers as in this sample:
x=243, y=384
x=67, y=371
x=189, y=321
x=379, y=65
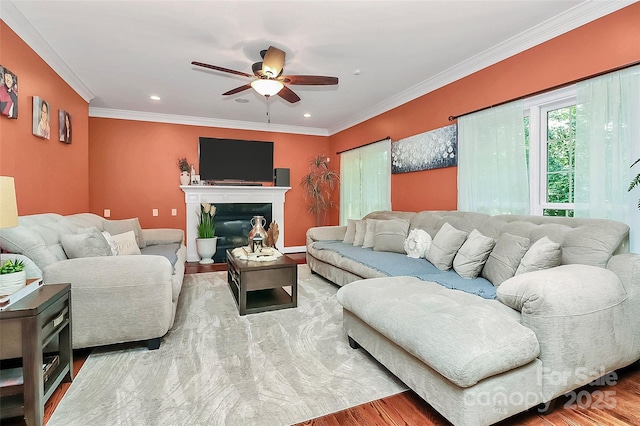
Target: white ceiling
x=118, y=53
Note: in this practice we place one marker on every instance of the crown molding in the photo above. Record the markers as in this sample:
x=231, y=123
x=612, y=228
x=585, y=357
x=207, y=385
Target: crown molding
x=558, y=25
x=11, y=16
x=203, y=121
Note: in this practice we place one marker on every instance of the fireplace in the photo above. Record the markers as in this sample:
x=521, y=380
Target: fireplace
x=233, y=223
x=225, y=197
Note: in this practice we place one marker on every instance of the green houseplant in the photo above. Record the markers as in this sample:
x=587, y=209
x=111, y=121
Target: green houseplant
x=636, y=180
x=207, y=241
x=12, y=277
x=318, y=186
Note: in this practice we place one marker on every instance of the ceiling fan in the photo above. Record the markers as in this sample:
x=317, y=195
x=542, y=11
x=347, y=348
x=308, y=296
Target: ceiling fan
x=268, y=79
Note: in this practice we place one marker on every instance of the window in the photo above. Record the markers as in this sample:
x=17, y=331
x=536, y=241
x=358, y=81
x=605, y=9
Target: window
x=550, y=135
x=365, y=180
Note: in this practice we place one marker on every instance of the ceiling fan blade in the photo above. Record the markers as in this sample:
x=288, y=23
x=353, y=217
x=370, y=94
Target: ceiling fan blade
x=213, y=67
x=273, y=62
x=237, y=90
x=309, y=80
x=288, y=95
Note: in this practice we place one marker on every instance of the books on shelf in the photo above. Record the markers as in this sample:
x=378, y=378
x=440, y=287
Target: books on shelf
x=8, y=300
x=12, y=379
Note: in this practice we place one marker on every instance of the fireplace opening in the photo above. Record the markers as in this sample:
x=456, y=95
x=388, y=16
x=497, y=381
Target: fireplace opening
x=233, y=223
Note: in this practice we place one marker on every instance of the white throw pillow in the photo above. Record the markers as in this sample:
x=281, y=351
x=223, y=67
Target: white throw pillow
x=350, y=234
x=370, y=232
x=543, y=254
x=88, y=243
x=361, y=227
x=473, y=254
x=391, y=235
x=444, y=246
x=505, y=258
x=417, y=243
x=115, y=227
x=112, y=244
x=126, y=243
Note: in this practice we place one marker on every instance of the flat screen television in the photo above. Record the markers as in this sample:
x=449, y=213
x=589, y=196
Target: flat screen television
x=234, y=159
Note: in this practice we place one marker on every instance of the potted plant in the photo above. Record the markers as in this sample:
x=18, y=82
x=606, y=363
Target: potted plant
x=207, y=241
x=636, y=180
x=184, y=167
x=12, y=277
x=318, y=185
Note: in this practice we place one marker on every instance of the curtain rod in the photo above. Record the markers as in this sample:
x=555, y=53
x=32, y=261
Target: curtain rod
x=539, y=92
x=356, y=147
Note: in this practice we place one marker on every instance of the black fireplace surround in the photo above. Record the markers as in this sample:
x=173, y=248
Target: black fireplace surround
x=233, y=223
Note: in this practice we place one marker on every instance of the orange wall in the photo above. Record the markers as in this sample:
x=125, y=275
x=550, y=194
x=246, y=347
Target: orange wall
x=133, y=170
x=606, y=43
x=50, y=176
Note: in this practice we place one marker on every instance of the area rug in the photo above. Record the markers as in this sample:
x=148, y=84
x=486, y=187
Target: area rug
x=217, y=368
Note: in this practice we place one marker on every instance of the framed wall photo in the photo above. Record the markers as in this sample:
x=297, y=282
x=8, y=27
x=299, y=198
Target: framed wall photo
x=41, y=127
x=8, y=93
x=64, y=120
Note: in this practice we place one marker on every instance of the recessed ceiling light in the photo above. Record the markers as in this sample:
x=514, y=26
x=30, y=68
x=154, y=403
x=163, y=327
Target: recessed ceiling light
x=242, y=100
x=155, y=98
x=307, y=115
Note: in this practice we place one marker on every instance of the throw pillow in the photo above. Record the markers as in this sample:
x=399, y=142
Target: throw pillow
x=350, y=235
x=112, y=244
x=473, y=254
x=417, y=243
x=543, y=254
x=126, y=243
x=505, y=258
x=361, y=227
x=89, y=243
x=390, y=235
x=444, y=246
x=115, y=227
x=370, y=232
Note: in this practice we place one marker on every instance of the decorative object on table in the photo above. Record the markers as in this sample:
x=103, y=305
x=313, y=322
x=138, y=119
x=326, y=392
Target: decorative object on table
x=272, y=234
x=257, y=229
x=41, y=111
x=8, y=93
x=64, y=124
x=430, y=150
x=318, y=186
x=184, y=167
x=12, y=277
x=256, y=244
x=636, y=180
x=206, y=243
x=267, y=254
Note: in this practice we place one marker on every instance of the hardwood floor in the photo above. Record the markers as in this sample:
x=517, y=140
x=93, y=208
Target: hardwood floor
x=408, y=409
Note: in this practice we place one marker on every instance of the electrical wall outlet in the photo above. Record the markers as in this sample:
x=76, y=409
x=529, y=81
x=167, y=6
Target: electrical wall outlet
x=107, y=213
x=174, y=212
x=155, y=212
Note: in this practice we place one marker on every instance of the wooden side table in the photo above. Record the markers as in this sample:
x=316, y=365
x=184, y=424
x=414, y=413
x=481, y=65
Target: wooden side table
x=39, y=317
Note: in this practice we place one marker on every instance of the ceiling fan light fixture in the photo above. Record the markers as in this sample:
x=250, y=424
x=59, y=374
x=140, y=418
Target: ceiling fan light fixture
x=267, y=87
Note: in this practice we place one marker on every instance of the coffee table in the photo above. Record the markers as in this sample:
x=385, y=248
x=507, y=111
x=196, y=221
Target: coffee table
x=259, y=286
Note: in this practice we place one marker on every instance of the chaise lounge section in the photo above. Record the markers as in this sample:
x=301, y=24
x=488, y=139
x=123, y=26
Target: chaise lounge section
x=478, y=357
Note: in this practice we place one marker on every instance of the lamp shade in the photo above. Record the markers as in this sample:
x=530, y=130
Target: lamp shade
x=8, y=205
x=267, y=87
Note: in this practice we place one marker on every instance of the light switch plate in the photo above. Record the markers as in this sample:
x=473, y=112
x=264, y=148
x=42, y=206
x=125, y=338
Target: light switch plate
x=155, y=212
x=174, y=212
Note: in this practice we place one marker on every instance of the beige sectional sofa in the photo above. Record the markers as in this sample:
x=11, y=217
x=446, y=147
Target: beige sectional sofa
x=115, y=298
x=478, y=360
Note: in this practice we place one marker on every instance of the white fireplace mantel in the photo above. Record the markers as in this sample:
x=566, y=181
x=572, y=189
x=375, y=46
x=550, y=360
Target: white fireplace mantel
x=215, y=194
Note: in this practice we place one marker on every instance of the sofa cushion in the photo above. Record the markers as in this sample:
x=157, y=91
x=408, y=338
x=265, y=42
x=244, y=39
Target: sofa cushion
x=126, y=243
x=88, y=243
x=350, y=234
x=390, y=235
x=473, y=254
x=417, y=243
x=543, y=254
x=369, y=233
x=115, y=227
x=361, y=228
x=505, y=258
x=444, y=246
x=463, y=337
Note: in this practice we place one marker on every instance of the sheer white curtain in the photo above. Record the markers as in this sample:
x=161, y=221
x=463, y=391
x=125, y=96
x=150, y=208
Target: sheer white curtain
x=607, y=143
x=492, y=163
x=365, y=180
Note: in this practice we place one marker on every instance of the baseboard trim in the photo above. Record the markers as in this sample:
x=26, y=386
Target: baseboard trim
x=295, y=249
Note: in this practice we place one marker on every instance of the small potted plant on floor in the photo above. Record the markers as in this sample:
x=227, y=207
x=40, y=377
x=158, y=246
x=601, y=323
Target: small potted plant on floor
x=207, y=241
x=12, y=277
x=184, y=167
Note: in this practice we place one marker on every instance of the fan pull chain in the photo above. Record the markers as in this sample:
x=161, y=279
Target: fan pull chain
x=268, y=115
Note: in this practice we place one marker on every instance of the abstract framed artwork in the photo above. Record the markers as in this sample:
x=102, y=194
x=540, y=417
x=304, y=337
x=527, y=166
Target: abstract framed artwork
x=41, y=127
x=430, y=150
x=64, y=126
x=8, y=93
